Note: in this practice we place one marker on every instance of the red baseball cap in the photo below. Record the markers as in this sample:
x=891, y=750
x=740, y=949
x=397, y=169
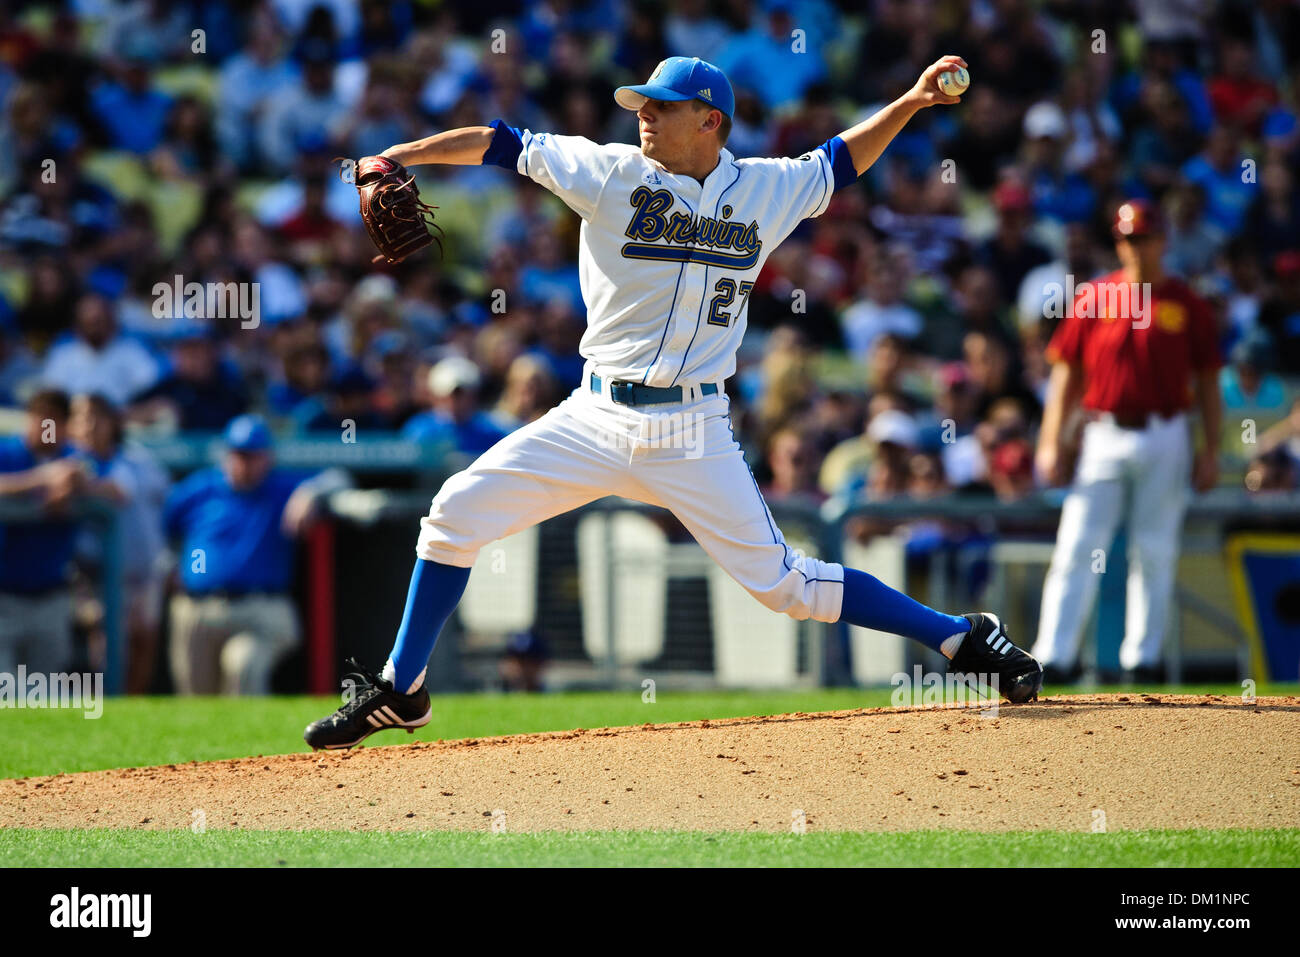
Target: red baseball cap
x=1011, y=196
x=1287, y=263
x=1137, y=217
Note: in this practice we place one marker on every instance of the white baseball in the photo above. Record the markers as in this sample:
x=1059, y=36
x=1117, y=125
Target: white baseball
x=954, y=82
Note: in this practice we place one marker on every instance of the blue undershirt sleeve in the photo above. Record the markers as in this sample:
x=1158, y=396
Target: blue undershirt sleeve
x=506, y=145
x=841, y=162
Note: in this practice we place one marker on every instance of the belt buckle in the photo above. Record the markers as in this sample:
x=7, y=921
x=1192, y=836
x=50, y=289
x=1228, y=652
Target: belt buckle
x=621, y=392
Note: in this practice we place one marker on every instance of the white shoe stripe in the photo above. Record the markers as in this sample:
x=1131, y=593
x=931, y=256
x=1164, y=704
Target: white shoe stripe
x=375, y=722
x=1000, y=645
x=389, y=713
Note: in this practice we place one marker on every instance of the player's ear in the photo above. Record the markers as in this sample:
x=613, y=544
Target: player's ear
x=712, y=120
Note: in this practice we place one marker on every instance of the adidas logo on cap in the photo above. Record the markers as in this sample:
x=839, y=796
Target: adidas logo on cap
x=706, y=93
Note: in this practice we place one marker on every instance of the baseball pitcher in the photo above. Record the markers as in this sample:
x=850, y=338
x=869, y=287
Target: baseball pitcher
x=674, y=233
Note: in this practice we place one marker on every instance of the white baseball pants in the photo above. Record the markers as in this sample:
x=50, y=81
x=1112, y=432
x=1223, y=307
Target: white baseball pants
x=680, y=457
x=1140, y=477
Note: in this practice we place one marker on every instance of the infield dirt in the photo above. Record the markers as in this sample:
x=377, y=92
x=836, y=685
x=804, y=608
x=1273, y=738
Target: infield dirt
x=1064, y=763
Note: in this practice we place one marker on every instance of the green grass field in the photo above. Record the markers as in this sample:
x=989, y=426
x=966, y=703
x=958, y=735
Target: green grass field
x=121, y=848
x=135, y=732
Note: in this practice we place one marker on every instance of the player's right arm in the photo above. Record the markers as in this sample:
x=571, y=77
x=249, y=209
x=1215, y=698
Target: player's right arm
x=1064, y=392
x=459, y=147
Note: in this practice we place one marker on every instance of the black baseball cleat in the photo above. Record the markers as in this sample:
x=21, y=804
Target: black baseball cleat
x=987, y=650
x=374, y=706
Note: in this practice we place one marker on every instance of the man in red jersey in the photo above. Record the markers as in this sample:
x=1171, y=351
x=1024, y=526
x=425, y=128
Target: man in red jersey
x=1137, y=351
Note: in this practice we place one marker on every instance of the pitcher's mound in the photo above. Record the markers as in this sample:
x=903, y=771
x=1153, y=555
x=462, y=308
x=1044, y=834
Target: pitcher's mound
x=1067, y=763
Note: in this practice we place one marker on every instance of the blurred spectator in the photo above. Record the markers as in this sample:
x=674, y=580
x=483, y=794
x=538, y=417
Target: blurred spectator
x=147, y=28
x=46, y=213
x=559, y=330
x=794, y=461
x=765, y=60
x=1164, y=139
x=200, y=392
x=131, y=479
x=529, y=392
x=98, y=358
x=953, y=435
x=345, y=408
x=1218, y=171
x=691, y=30
x=297, y=393
x=1057, y=193
x=1237, y=93
x=978, y=306
x=881, y=310
x=249, y=82
x=994, y=373
x=1008, y=453
x=1273, y=221
x=306, y=112
x=1247, y=381
x=1010, y=253
x=455, y=417
x=132, y=112
x=1280, y=313
x=1193, y=241
x=51, y=302
x=35, y=599
x=1044, y=288
x=233, y=619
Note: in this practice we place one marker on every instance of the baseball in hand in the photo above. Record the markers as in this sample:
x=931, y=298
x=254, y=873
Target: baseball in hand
x=954, y=82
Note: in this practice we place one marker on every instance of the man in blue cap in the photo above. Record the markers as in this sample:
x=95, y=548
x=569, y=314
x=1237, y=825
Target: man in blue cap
x=233, y=619
x=674, y=233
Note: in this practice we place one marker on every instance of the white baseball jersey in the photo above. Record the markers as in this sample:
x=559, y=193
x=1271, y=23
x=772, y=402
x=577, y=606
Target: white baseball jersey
x=667, y=263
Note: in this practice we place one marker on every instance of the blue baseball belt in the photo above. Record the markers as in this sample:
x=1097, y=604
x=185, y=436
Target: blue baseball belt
x=633, y=393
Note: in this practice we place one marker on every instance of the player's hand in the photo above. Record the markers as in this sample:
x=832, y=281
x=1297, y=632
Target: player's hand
x=62, y=478
x=926, y=91
x=1205, y=470
x=1050, y=464
x=298, y=513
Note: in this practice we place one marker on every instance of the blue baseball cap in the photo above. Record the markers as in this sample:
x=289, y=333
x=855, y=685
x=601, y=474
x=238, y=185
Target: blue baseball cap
x=247, y=433
x=681, y=78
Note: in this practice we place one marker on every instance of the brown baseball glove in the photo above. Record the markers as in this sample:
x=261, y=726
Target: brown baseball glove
x=399, y=222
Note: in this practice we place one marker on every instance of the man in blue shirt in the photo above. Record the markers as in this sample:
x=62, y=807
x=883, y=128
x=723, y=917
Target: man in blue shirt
x=233, y=620
x=455, y=417
x=35, y=597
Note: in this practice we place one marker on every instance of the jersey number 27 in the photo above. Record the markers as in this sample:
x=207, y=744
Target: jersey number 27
x=726, y=293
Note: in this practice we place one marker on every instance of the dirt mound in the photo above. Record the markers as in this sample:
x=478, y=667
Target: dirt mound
x=1143, y=761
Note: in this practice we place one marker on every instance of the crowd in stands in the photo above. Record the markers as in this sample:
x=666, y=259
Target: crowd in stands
x=895, y=344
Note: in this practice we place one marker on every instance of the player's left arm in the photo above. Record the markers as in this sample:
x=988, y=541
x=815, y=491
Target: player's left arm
x=304, y=503
x=867, y=140
x=1209, y=403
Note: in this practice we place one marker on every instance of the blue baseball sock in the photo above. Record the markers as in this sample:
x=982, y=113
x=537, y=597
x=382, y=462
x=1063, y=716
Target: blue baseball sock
x=870, y=603
x=435, y=590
